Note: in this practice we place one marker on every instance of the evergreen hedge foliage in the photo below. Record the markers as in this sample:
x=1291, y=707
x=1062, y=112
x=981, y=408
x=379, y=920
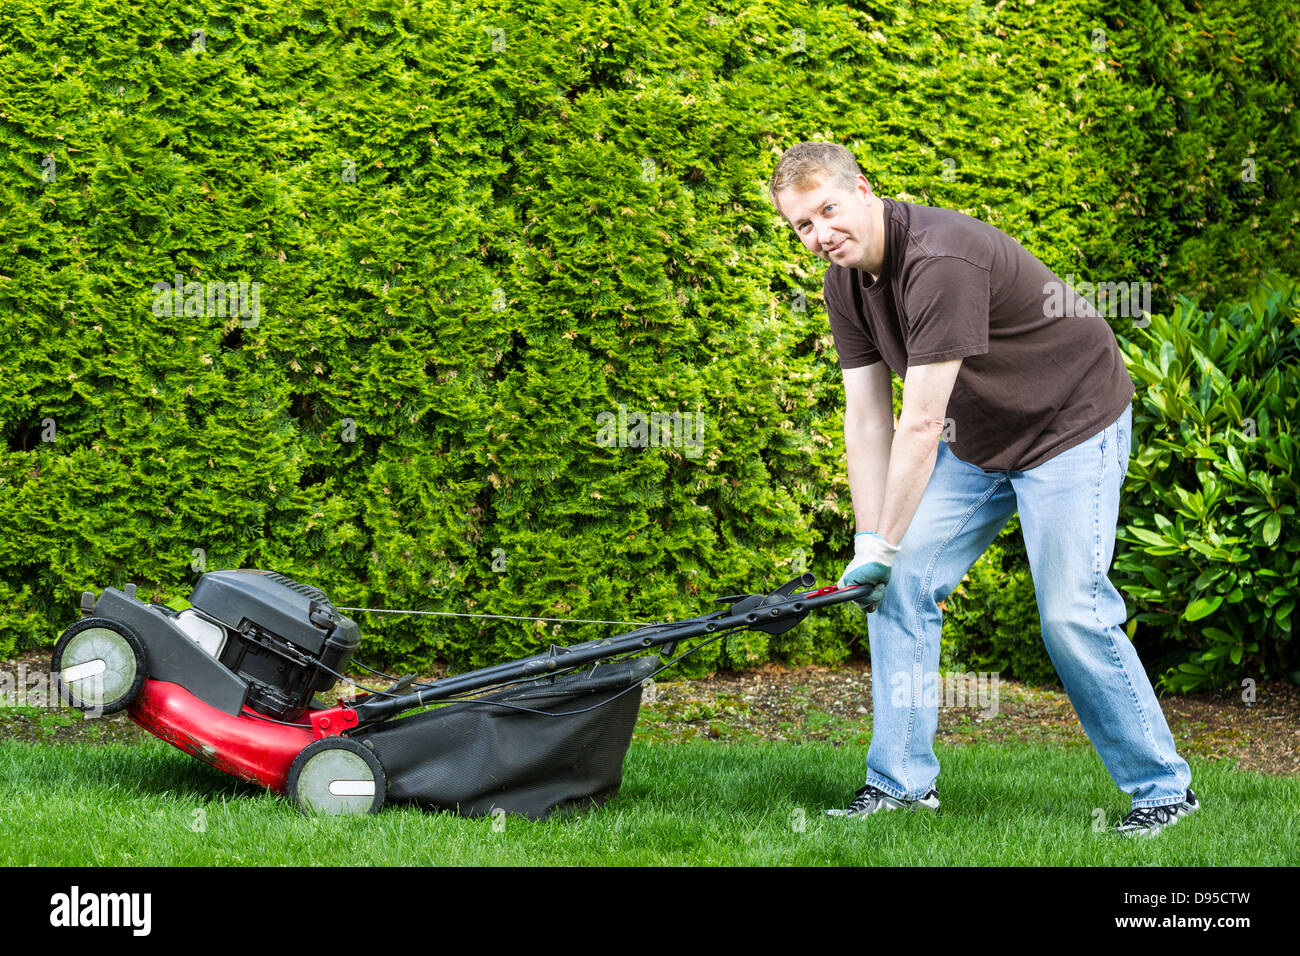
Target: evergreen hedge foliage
x=477, y=234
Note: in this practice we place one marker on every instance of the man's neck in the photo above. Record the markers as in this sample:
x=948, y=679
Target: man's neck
x=874, y=269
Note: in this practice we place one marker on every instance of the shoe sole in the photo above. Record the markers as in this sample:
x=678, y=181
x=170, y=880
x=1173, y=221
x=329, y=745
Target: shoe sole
x=916, y=805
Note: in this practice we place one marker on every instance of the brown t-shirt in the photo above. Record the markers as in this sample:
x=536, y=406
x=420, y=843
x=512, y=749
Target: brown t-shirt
x=1035, y=379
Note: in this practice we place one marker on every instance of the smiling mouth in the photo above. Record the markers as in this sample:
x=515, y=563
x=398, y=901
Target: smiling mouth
x=836, y=248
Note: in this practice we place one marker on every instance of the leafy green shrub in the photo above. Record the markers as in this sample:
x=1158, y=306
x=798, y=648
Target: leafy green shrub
x=1212, y=555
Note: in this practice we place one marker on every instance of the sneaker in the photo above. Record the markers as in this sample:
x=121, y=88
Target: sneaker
x=870, y=799
x=1151, y=820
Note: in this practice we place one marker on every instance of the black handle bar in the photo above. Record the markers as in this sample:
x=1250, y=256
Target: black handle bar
x=774, y=613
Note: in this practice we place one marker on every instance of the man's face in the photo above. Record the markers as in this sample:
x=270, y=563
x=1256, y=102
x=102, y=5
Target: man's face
x=834, y=223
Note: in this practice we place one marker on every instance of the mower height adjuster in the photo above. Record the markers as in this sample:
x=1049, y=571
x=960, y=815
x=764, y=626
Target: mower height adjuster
x=332, y=722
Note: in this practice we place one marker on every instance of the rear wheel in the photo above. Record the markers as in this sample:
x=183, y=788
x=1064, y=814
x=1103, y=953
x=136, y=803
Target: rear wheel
x=337, y=776
x=99, y=666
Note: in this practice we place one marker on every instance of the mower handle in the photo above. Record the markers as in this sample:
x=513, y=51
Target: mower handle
x=774, y=613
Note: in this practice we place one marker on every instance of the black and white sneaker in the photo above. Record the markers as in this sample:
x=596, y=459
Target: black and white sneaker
x=1151, y=820
x=870, y=799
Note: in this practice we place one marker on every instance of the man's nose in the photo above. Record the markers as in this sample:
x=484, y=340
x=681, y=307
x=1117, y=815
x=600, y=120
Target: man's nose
x=823, y=231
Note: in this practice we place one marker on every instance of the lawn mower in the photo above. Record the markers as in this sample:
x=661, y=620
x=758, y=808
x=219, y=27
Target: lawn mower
x=233, y=680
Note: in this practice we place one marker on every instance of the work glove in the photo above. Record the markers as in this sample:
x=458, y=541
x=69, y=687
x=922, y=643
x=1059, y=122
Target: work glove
x=872, y=557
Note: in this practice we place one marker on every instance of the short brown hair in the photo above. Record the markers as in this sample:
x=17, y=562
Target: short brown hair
x=804, y=165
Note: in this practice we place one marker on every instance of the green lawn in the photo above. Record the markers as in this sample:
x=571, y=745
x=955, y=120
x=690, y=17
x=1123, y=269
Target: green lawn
x=695, y=803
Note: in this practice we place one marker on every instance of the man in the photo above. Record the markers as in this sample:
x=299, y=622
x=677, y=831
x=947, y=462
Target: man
x=1033, y=402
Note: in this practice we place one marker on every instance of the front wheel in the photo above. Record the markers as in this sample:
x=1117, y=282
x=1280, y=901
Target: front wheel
x=337, y=776
x=99, y=666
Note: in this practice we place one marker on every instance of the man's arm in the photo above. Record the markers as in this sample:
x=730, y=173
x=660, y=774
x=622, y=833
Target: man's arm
x=926, y=390
x=868, y=431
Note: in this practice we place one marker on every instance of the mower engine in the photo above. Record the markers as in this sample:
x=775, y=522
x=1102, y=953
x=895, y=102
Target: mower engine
x=284, y=638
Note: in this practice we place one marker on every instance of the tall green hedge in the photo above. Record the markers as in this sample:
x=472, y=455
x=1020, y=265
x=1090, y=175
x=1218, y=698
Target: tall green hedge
x=478, y=232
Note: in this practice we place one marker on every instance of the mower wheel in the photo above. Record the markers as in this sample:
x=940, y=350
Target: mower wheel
x=337, y=776
x=99, y=666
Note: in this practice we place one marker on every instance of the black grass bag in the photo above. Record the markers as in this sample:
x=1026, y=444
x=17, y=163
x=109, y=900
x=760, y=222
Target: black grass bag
x=475, y=756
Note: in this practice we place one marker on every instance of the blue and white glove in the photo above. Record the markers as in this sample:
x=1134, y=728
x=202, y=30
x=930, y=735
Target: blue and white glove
x=872, y=558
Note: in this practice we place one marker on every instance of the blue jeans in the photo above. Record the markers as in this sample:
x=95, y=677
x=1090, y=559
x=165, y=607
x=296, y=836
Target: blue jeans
x=1068, y=507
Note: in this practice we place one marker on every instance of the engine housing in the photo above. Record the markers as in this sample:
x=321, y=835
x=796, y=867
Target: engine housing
x=284, y=638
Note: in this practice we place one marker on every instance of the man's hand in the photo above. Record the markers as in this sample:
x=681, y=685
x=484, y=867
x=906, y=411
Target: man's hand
x=870, y=567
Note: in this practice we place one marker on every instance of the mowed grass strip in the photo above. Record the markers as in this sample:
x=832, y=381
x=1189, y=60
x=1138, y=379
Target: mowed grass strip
x=687, y=804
